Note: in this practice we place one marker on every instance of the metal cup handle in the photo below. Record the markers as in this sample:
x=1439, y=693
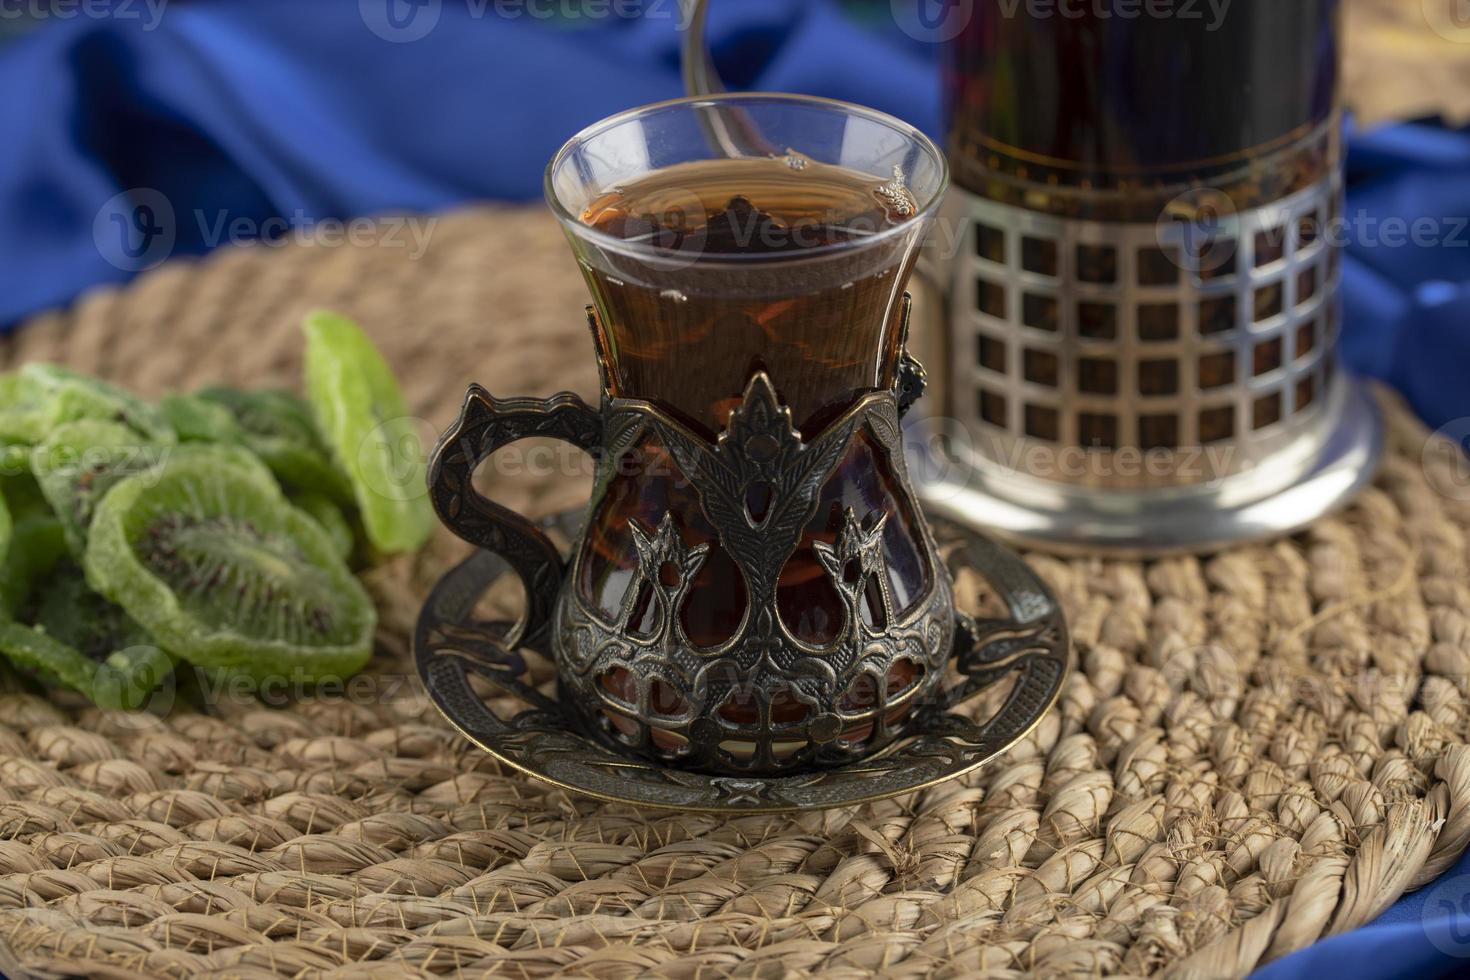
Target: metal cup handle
x=485, y=425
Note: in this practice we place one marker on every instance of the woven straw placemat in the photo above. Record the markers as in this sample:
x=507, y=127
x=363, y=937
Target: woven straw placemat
x=1258, y=749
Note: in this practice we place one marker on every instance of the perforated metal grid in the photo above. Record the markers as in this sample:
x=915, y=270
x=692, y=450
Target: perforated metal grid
x=1146, y=338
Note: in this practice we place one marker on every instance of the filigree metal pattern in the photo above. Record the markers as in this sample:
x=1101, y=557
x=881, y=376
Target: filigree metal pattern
x=797, y=699
x=770, y=698
x=537, y=736
x=1233, y=348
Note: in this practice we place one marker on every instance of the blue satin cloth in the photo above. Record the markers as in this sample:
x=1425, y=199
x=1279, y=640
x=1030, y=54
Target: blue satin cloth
x=220, y=114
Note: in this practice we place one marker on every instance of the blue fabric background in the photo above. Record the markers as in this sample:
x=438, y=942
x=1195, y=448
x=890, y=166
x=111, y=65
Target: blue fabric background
x=250, y=109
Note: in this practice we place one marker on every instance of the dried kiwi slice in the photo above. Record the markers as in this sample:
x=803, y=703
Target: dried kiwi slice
x=17, y=482
x=196, y=419
x=7, y=528
x=93, y=645
x=124, y=679
x=67, y=610
x=37, y=543
x=79, y=462
x=121, y=665
x=332, y=520
x=278, y=427
x=42, y=396
x=23, y=411
x=363, y=414
x=225, y=573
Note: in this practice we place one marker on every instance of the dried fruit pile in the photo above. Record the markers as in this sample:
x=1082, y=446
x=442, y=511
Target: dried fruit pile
x=217, y=528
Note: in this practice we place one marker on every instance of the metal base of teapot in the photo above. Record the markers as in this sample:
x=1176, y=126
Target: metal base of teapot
x=1170, y=399
x=1246, y=506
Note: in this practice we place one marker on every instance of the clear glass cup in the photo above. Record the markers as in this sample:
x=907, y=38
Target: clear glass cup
x=689, y=306
x=722, y=237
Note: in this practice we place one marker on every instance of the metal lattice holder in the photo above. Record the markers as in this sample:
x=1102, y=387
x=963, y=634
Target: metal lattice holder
x=1119, y=386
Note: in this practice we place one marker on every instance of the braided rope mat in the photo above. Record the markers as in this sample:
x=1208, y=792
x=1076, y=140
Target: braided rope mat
x=1258, y=749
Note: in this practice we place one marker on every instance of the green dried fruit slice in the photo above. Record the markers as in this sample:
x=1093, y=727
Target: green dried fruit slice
x=332, y=520
x=24, y=411
x=124, y=679
x=79, y=462
x=67, y=610
x=197, y=419
x=123, y=662
x=7, y=528
x=42, y=396
x=17, y=482
x=279, y=428
x=225, y=573
x=37, y=543
x=363, y=414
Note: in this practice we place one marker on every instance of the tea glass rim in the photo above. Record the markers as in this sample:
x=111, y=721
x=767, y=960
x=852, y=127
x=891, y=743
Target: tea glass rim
x=574, y=224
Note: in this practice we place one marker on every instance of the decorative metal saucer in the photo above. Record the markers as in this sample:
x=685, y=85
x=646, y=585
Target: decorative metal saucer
x=1011, y=656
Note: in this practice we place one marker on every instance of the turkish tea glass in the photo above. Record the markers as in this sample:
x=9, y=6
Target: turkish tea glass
x=755, y=589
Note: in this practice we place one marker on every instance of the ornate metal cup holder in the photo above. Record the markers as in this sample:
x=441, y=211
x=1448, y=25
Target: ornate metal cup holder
x=971, y=722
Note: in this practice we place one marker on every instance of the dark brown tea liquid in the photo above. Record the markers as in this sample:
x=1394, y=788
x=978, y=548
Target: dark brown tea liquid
x=784, y=265
x=1110, y=118
x=690, y=338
